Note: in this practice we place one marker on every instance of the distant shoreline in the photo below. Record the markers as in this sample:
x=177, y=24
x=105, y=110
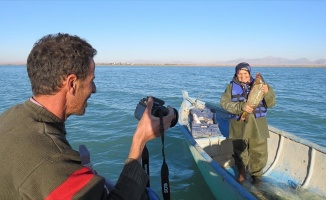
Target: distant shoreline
x=210, y=65
x=191, y=65
x=269, y=61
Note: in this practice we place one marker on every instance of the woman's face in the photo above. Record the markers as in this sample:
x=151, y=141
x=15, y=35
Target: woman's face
x=243, y=76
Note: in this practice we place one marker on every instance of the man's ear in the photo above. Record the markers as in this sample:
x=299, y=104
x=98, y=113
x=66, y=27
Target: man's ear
x=71, y=83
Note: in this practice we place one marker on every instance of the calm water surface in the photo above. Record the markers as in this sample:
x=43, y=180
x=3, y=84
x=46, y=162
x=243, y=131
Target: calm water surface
x=108, y=125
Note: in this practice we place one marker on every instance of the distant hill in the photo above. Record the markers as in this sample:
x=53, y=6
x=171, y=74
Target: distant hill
x=320, y=62
x=279, y=61
x=266, y=61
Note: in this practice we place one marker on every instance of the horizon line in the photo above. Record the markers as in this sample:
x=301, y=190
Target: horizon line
x=187, y=65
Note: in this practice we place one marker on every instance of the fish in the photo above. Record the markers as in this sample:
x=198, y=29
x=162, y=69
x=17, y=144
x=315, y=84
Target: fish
x=255, y=96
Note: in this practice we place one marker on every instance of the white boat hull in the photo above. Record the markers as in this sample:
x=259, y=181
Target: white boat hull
x=295, y=166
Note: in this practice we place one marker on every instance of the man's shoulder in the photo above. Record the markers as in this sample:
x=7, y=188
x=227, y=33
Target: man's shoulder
x=10, y=110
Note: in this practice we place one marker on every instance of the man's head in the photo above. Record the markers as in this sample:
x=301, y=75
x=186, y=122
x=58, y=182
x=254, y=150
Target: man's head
x=242, y=71
x=61, y=70
x=53, y=58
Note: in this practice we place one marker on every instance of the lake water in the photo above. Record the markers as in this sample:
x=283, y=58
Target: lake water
x=108, y=125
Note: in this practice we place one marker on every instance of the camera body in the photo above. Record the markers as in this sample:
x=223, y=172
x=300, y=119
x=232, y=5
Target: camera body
x=156, y=109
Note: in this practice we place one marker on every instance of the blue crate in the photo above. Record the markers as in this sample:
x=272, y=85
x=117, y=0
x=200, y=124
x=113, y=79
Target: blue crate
x=205, y=113
x=204, y=130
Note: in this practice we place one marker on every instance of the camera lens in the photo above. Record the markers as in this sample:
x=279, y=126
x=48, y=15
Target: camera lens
x=175, y=119
x=165, y=112
x=157, y=106
x=156, y=111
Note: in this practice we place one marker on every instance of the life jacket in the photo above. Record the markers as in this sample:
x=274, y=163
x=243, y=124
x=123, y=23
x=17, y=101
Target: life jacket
x=239, y=94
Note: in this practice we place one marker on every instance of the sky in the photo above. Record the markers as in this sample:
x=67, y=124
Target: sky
x=167, y=31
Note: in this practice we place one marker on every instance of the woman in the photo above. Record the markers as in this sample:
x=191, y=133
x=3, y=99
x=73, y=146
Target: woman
x=250, y=136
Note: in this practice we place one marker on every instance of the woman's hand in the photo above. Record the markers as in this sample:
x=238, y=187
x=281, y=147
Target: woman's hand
x=264, y=89
x=248, y=108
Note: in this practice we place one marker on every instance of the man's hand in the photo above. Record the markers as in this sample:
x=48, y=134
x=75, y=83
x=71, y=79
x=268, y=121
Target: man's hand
x=148, y=128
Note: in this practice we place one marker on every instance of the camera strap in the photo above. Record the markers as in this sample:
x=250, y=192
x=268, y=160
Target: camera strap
x=165, y=184
x=164, y=169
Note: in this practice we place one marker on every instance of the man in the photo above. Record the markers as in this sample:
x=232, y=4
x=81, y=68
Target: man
x=249, y=137
x=37, y=162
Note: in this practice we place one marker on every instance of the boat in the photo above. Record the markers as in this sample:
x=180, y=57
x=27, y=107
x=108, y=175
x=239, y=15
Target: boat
x=296, y=168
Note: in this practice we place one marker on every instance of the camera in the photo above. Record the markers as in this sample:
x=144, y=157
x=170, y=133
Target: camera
x=157, y=107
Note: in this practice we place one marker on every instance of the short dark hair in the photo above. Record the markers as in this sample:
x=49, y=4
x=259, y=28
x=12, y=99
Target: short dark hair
x=53, y=58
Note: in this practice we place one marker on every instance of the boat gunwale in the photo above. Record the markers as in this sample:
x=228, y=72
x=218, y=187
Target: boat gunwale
x=221, y=171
